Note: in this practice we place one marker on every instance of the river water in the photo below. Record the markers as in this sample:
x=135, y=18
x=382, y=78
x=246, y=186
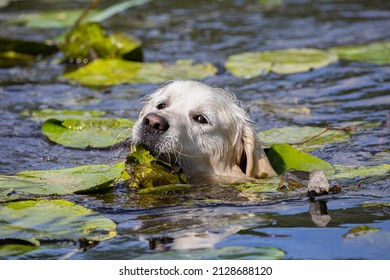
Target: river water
x=210, y=31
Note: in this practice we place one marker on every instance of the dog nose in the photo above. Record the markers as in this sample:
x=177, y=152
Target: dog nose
x=156, y=122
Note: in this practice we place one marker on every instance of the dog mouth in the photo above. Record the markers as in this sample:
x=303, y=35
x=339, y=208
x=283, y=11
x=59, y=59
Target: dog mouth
x=169, y=160
x=160, y=145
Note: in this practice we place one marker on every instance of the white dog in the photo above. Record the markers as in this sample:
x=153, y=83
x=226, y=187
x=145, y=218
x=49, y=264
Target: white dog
x=203, y=130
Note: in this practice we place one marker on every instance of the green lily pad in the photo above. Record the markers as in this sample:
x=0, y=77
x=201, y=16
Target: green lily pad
x=352, y=172
x=83, y=133
x=146, y=172
x=89, y=41
x=52, y=221
x=294, y=135
x=4, y=3
x=81, y=179
x=50, y=19
x=115, y=9
x=7, y=250
x=377, y=53
x=108, y=72
x=67, y=18
x=11, y=59
x=224, y=253
x=284, y=157
x=358, y=230
x=289, y=61
x=42, y=115
x=376, y=204
x=27, y=47
x=282, y=109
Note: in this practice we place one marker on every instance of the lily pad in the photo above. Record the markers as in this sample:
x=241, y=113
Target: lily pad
x=352, y=172
x=284, y=157
x=224, y=253
x=27, y=47
x=4, y=3
x=67, y=18
x=81, y=179
x=52, y=221
x=377, y=53
x=11, y=59
x=289, y=61
x=42, y=115
x=282, y=109
x=147, y=172
x=115, y=9
x=89, y=41
x=358, y=230
x=108, y=72
x=294, y=135
x=7, y=250
x=83, y=133
x=50, y=19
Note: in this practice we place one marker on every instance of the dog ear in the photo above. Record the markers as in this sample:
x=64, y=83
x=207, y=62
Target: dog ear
x=254, y=162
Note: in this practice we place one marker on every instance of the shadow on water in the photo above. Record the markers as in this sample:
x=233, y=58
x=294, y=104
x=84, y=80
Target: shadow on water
x=222, y=223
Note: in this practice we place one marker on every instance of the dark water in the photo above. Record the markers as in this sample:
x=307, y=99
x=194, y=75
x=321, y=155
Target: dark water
x=209, y=31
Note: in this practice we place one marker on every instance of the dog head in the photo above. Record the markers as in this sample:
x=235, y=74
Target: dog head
x=202, y=129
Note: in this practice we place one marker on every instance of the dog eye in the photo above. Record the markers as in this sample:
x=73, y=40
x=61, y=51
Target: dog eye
x=161, y=106
x=200, y=119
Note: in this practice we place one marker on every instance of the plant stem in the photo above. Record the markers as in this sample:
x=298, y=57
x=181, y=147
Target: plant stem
x=345, y=128
x=91, y=6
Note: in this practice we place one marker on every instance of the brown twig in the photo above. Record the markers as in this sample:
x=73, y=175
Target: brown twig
x=345, y=128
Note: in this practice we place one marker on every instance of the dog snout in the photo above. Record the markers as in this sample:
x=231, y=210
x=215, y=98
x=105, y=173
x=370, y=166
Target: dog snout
x=156, y=122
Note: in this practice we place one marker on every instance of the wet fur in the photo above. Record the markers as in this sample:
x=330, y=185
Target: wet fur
x=223, y=150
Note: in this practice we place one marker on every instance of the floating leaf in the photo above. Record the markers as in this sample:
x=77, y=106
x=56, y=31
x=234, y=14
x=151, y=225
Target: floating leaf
x=376, y=204
x=52, y=220
x=282, y=109
x=27, y=47
x=115, y=9
x=294, y=135
x=11, y=59
x=50, y=19
x=284, y=157
x=4, y=3
x=81, y=179
x=89, y=41
x=146, y=172
x=21, y=52
x=15, y=249
x=356, y=231
x=224, y=253
x=83, y=133
x=67, y=18
x=289, y=61
x=351, y=172
x=377, y=53
x=42, y=115
x=107, y=72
